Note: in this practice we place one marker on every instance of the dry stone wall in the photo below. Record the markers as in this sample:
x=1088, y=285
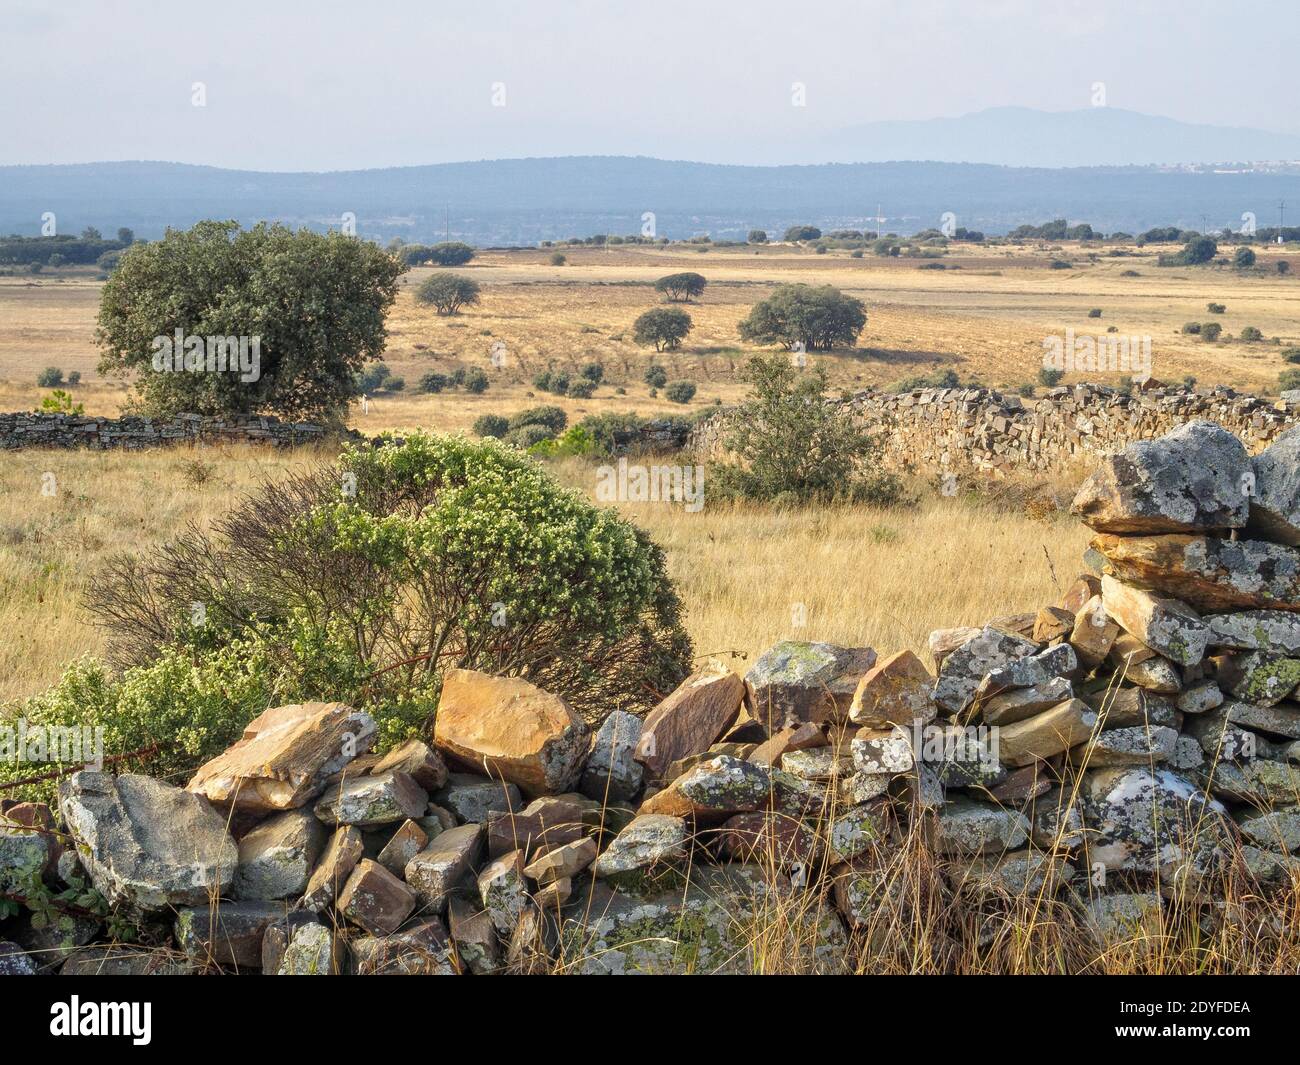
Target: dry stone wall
x=977, y=429
x=28, y=429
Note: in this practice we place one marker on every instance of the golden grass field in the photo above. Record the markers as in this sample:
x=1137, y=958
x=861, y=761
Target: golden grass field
x=879, y=577
x=986, y=319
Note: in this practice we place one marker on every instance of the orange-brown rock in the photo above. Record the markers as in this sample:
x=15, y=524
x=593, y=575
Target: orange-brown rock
x=895, y=691
x=284, y=757
x=690, y=719
x=511, y=730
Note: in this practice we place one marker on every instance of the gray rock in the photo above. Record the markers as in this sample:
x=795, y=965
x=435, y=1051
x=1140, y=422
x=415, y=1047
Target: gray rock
x=965, y=667
x=124, y=961
x=884, y=751
x=474, y=936
x=1013, y=706
x=1277, y=830
x=372, y=800
x=327, y=879
x=855, y=830
x=276, y=858
x=14, y=961
x=611, y=771
x=23, y=854
x=794, y=682
x=1057, y=821
x=473, y=798
x=1026, y=874
x=1275, y=502
x=1261, y=782
x=1152, y=820
x=966, y=827
x=1194, y=478
x=1034, y=671
x=146, y=845
x=313, y=950
x=227, y=934
x=1259, y=678
x=1121, y=917
x=1187, y=754
x=1273, y=631
x=503, y=892
x=1202, y=696
x=449, y=858
x=1129, y=746
x=1280, y=720
x=817, y=763
x=1155, y=675
x=422, y=950
x=651, y=841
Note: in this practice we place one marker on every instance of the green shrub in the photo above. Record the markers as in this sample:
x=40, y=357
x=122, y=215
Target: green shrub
x=592, y=371
x=680, y=392
x=580, y=389
x=50, y=377
x=1250, y=334
x=1049, y=377
x=363, y=581
x=1216, y=308
x=1192, y=328
x=1288, y=380
x=558, y=259
x=373, y=377
x=1210, y=331
x=815, y=316
x=491, y=425
x=1291, y=355
x=552, y=418
x=574, y=442
x=475, y=380
x=1243, y=258
x=451, y=253
x=432, y=382
x=74, y=378
x=528, y=436
x=656, y=376
x=448, y=293
x=794, y=447
x=1095, y=313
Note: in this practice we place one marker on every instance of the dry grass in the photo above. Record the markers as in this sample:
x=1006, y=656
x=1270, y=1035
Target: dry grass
x=985, y=320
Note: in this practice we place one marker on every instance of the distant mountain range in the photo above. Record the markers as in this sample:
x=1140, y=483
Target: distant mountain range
x=1218, y=177
x=1021, y=136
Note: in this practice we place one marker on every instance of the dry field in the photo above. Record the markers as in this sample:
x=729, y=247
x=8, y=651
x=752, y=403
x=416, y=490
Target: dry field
x=985, y=316
x=880, y=577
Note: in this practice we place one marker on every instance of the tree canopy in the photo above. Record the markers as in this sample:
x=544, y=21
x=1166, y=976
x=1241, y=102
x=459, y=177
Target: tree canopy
x=816, y=317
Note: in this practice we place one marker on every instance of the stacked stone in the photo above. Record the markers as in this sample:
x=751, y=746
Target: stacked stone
x=36, y=429
x=964, y=430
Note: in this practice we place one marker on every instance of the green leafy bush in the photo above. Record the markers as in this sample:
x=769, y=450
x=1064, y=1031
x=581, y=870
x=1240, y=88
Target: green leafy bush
x=432, y=382
x=683, y=286
x=1216, y=308
x=1288, y=380
x=592, y=371
x=680, y=392
x=475, y=380
x=1049, y=377
x=552, y=418
x=1192, y=328
x=581, y=389
x=656, y=376
x=50, y=377
x=365, y=580
x=1210, y=331
x=794, y=447
x=1251, y=335
x=526, y=437
x=491, y=425
x=664, y=327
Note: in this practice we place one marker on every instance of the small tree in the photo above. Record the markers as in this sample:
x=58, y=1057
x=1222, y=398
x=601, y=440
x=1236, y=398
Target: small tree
x=450, y=253
x=757, y=236
x=475, y=380
x=683, y=286
x=792, y=445
x=1210, y=331
x=1243, y=259
x=680, y=392
x=431, y=382
x=664, y=327
x=816, y=317
x=797, y=233
x=1049, y=376
x=50, y=377
x=448, y=293
x=656, y=376
x=491, y=425
x=1198, y=250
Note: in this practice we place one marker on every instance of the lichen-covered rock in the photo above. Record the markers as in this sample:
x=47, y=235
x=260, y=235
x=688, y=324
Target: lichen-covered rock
x=1027, y=874
x=962, y=757
x=1140, y=745
x=1258, y=677
x=1155, y=675
x=772, y=840
x=966, y=827
x=1034, y=670
x=1280, y=720
x=419, y=761
x=503, y=891
x=794, y=682
x=895, y=691
x=563, y=862
x=1167, y=626
x=1208, y=574
x=474, y=937
x=1121, y=917
x=1196, y=477
x=14, y=961
x=421, y=950
x=228, y=934
x=1277, y=830
x=965, y=667
x=1202, y=696
x=277, y=857
x=372, y=800
x=1272, y=631
x=313, y=950
x=1057, y=821
x=1094, y=633
x=341, y=855
x=436, y=870
x=23, y=854
x=473, y=799
x=882, y=751
x=147, y=845
x=1275, y=498
x=720, y=788
x=375, y=900
x=817, y=763
x=856, y=829
x=1154, y=821
x=643, y=849
x=612, y=771
x=122, y=961
x=511, y=728
x=1261, y=782
x=690, y=719
x=285, y=756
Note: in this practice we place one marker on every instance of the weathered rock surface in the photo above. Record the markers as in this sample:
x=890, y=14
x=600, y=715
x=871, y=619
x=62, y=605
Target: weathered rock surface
x=714, y=791
x=1272, y=631
x=285, y=756
x=1275, y=498
x=277, y=857
x=794, y=682
x=1046, y=734
x=473, y=799
x=145, y=844
x=375, y=900
x=421, y=950
x=967, y=827
x=649, y=843
x=445, y=862
x=341, y=855
x=895, y=691
x=417, y=760
x=1194, y=478
x=227, y=934
x=372, y=800
x=1166, y=626
x=690, y=719
x=612, y=770
x=1259, y=678
x=965, y=667
x=510, y=729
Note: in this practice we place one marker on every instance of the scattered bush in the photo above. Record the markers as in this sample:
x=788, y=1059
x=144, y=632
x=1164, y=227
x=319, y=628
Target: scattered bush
x=1095, y=313
x=50, y=377
x=797, y=233
x=1210, y=331
x=432, y=382
x=794, y=447
x=74, y=378
x=656, y=376
x=1291, y=355
x=580, y=389
x=1192, y=328
x=1250, y=334
x=680, y=392
x=1216, y=308
x=474, y=380
x=592, y=371
x=757, y=236
x=558, y=259
x=448, y=293
x=528, y=436
x=1049, y=377
x=491, y=425
x=1243, y=258
x=551, y=418
x=1288, y=380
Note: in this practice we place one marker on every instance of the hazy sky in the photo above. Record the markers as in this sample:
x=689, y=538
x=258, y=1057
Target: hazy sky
x=341, y=85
